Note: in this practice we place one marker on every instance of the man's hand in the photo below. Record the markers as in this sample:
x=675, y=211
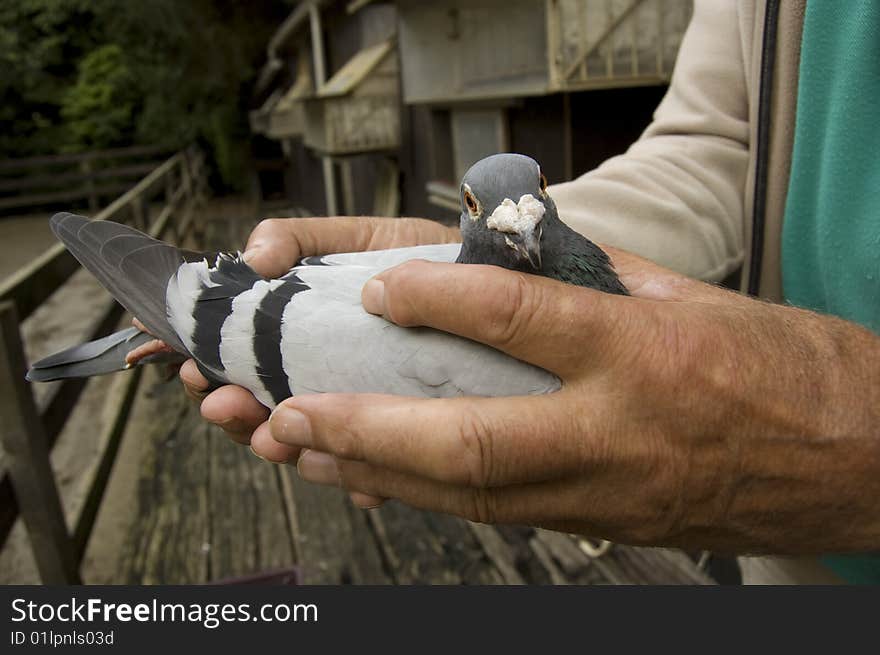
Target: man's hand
x=689, y=416
x=273, y=248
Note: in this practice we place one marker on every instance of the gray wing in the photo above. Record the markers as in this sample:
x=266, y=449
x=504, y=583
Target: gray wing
x=330, y=344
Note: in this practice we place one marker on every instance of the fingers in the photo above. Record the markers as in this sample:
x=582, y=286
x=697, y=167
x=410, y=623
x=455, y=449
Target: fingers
x=538, y=320
x=474, y=442
x=523, y=503
x=194, y=383
x=148, y=349
x=236, y=411
x=277, y=244
x=264, y=446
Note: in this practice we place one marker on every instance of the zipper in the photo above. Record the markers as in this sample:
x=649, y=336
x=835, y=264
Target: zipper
x=762, y=147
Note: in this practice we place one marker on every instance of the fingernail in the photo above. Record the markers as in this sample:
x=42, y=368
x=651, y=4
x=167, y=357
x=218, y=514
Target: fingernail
x=191, y=377
x=365, y=501
x=291, y=427
x=231, y=425
x=266, y=459
x=373, y=296
x=319, y=468
x=249, y=254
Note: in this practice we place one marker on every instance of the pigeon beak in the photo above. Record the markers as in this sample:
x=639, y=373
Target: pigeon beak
x=531, y=246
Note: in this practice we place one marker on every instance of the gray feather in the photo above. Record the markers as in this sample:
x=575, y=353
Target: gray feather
x=97, y=357
x=331, y=344
x=132, y=266
x=382, y=259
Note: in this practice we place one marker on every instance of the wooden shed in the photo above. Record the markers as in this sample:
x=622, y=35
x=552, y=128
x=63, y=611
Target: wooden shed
x=466, y=50
x=358, y=109
x=287, y=117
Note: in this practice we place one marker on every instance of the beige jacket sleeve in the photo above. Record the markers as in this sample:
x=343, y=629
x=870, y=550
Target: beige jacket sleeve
x=677, y=195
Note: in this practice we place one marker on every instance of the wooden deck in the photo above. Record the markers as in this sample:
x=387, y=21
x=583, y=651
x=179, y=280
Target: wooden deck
x=185, y=505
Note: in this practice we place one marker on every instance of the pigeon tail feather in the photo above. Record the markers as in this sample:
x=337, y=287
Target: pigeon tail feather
x=99, y=357
x=133, y=267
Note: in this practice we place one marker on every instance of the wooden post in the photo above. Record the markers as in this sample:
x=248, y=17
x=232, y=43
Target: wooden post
x=27, y=457
x=330, y=185
x=140, y=210
x=170, y=187
x=88, y=169
x=554, y=52
x=317, y=45
x=347, y=187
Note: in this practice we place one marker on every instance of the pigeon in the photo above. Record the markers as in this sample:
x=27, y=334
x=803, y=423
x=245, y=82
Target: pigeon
x=306, y=332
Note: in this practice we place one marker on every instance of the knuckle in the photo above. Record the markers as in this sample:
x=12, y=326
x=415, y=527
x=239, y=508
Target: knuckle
x=475, y=437
x=266, y=227
x=341, y=437
x=400, y=284
x=482, y=506
x=516, y=310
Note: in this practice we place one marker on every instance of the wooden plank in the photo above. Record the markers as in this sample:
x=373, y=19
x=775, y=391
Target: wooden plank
x=169, y=537
x=431, y=548
x=32, y=284
x=334, y=541
x=74, y=158
x=519, y=539
x=589, y=48
x=552, y=18
x=109, y=440
x=57, y=197
x=61, y=402
x=621, y=564
x=54, y=181
x=498, y=551
x=63, y=399
x=249, y=532
x=546, y=560
x=27, y=457
x=654, y=566
x=573, y=563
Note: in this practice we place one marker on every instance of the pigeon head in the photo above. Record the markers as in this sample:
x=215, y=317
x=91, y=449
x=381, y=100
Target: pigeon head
x=505, y=210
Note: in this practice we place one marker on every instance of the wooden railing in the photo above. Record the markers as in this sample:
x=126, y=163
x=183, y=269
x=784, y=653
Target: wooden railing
x=74, y=179
x=28, y=486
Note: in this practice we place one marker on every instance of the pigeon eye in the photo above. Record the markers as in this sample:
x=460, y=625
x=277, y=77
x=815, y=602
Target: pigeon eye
x=471, y=202
x=543, y=183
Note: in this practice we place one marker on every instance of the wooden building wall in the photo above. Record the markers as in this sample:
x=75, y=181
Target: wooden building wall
x=597, y=124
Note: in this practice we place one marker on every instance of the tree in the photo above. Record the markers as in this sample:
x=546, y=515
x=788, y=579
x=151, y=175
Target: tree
x=81, y=74
x=99, y=108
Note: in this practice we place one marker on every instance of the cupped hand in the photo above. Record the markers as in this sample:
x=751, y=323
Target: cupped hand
x=689, y=415
x=273, y=248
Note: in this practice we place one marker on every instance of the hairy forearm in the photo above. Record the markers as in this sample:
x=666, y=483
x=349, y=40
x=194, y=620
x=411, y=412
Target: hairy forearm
x=803, y=440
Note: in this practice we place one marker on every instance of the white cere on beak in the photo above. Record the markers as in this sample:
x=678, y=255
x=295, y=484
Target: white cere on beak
x=517, y=218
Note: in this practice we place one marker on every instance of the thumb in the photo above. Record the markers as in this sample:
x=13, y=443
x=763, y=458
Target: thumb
x=272, y=249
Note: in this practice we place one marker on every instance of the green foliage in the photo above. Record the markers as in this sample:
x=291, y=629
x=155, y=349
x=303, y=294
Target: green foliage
x=38, y=56
x=82, y=74
x=99, y=108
